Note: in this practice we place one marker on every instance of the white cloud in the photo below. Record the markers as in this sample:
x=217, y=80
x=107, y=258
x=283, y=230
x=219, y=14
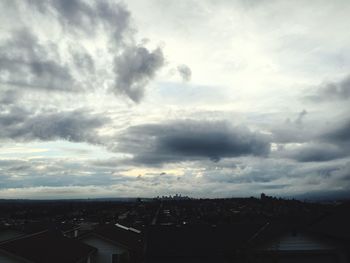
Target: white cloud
x=71, y=72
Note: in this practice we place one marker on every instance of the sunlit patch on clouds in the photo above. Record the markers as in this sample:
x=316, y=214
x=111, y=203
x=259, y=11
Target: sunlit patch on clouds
x=146, y=98
x=19, y=150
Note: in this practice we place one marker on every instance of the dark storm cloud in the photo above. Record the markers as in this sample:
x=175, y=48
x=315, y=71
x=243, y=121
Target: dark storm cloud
x=339, y=133
x=76, y=126
x=190, y=140
x=314, y=152
x=314, y=143
x=337, y=178
x=185, y=72
x=317, y=141
x=344, y=172
x=331, y=91
x=25, y=62
x=134, y=68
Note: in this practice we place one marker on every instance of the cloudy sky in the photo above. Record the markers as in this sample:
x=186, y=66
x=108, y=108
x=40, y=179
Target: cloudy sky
x=202, y=98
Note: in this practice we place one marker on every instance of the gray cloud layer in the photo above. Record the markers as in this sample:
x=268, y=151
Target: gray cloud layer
x=327, y=142
x=330, y=91
x=292, y=130
x=185, y=72
x=134, y=68
x=190, y=140
x=339, y=133
x=27, y=60
x=314, y=152
x=81, y=16
x=75, y=126
x=24, y=62
x=49, y=49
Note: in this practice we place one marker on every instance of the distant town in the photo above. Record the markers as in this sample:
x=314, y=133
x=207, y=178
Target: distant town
x=174, y=229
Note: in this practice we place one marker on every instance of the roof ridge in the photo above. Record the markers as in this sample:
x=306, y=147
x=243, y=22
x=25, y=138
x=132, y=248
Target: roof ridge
x=258, y=232
x=22, y=237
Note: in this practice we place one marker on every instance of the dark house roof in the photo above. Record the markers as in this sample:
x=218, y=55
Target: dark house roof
x=8, y=233
x=271, y=231
x=197, y=240
x=126, y=238
x=39, y=226
x=336, y=224
x=290, y=239
x=47, y=247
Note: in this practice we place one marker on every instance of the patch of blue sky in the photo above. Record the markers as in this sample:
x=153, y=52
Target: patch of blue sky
x=185, y=93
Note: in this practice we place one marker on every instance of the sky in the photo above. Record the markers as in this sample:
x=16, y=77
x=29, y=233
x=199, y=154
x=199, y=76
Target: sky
x=206, y=98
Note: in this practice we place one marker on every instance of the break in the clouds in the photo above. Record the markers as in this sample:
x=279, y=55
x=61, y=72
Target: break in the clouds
x=145, y=98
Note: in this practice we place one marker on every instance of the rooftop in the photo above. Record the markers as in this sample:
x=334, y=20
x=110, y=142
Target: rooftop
x=47, y=247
